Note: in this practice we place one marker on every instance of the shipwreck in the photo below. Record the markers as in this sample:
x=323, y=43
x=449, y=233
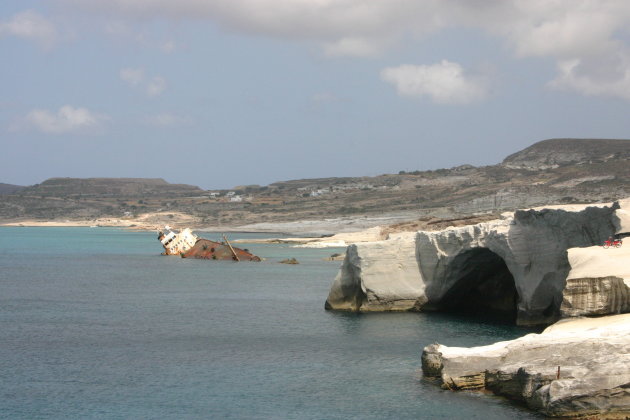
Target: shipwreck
x=188, y=245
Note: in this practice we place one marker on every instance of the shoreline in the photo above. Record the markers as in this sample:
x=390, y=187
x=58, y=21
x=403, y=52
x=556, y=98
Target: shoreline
x=306, y=229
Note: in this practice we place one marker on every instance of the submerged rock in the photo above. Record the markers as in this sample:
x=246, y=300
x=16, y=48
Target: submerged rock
x=575, y=368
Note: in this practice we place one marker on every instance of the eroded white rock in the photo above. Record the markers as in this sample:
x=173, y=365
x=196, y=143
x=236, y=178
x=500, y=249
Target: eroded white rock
x=621, y=218
x=378, y=276
x=577, y=367
x=598, y=283
x=518, y=261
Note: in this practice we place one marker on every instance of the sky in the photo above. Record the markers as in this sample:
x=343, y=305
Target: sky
x=220, y=93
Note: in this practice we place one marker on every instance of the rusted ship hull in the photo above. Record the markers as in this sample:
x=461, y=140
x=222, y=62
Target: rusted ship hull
x=211, y=250
x=188, y=245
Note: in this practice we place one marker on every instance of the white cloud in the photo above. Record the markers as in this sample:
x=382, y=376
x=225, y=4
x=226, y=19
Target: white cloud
x=132, y=76
x=532, y=27
x=575, y=75
x=353, y=27
x=444, y=82
x=562, y=30
x=353, y=47
x=156, y=86
x=32, y=26
x=66, y=120
x=137, y=78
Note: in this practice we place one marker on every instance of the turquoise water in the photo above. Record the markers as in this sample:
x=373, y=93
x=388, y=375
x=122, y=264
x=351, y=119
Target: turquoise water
x=94, y=323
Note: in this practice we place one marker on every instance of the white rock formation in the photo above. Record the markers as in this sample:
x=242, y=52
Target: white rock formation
x=378, y=276
x=577, y=367
x=598, y=283
x=344, y=239
x=622, y=217
x=516, y=264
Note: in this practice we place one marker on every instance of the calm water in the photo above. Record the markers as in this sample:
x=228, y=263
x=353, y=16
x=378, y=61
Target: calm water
x=94, y=323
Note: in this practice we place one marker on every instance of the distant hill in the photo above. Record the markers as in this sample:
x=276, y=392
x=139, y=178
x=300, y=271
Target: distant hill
x=556, y=171
x=109, y=187
x=9, y=188
x=554, y=153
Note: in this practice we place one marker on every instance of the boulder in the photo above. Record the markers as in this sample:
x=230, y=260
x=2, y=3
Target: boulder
x=578, y=367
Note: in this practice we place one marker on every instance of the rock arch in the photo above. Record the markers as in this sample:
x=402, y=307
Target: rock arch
x=423, y=272
x=480, y=284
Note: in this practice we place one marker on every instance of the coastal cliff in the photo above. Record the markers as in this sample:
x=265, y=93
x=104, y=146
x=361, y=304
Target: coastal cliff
x=515, y=267
x=379, y=276
x=575, y=368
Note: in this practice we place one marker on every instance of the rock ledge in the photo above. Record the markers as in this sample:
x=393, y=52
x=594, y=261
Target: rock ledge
x=575, y=368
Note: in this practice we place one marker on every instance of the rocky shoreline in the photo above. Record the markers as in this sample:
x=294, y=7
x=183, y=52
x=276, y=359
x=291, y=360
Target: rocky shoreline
x=517, y=264
x=577, y=368
x=537, y=265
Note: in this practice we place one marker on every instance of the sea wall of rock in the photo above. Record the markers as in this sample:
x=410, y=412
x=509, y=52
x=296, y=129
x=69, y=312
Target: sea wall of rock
x=517, y=265
x=578, y=367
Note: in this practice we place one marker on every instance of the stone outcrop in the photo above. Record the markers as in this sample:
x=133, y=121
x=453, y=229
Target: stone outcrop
x=378, y=276
x=575, y=368
x=516, y=266
x=598, y=283
x=621, y=219
x=595, y=296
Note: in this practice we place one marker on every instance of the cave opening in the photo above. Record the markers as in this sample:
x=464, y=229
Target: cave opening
x=483, y=287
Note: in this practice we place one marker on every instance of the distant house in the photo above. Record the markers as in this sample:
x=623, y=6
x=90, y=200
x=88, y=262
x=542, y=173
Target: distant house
x=236, y=199
x=317, y=193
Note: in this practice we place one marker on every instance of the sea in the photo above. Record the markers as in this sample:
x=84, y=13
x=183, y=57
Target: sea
x=96, y=324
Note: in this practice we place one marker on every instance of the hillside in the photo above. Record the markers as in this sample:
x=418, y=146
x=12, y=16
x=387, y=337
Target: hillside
x=554, y=153
x=109, y=187
x=548, y=172
x=9, y=188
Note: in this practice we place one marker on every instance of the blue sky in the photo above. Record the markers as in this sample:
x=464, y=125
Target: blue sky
x=221, y=93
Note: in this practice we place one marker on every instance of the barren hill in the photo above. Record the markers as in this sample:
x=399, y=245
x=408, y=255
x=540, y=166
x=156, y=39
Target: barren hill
x=110, y=187
x=548, y=172
x=9, y=188
x=554, y=153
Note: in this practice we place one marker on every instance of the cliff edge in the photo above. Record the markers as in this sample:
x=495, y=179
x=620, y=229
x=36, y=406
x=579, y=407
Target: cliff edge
x=515, y=267
x=575, y=368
